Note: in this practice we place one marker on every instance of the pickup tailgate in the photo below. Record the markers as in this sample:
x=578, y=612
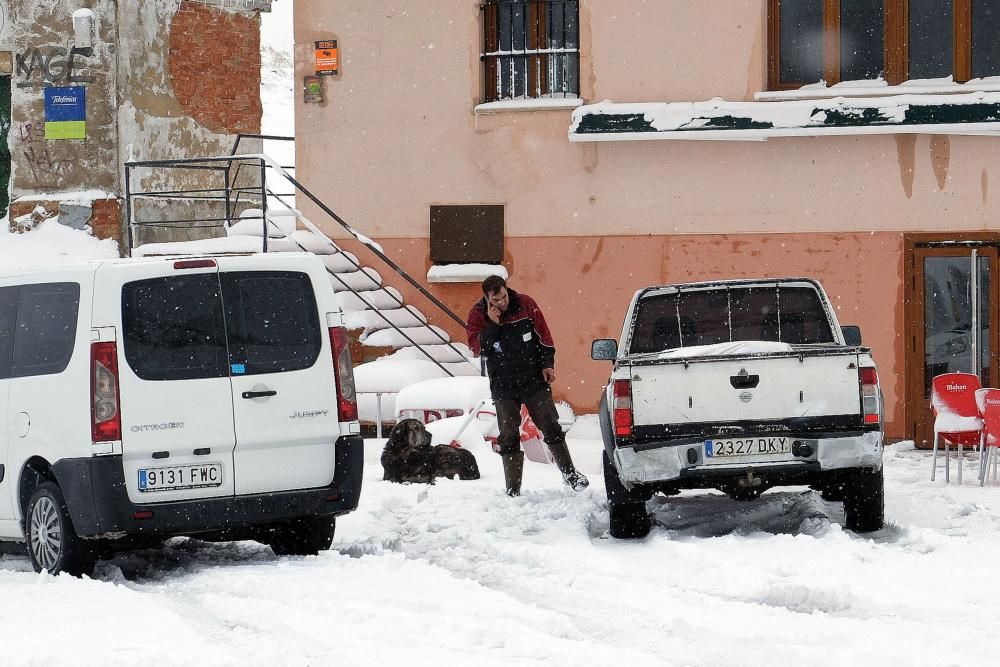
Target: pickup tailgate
x=759, y=388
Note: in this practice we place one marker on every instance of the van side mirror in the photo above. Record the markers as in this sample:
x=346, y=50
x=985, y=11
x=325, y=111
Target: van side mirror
x=852, y=335
x=604, y=349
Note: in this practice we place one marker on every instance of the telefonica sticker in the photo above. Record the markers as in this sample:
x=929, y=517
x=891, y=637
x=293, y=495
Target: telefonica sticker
x=66, y=112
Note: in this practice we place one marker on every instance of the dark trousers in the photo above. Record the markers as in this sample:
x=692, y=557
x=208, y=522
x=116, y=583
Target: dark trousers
x=543, y=412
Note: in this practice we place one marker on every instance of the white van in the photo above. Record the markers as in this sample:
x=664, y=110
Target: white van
x=147, y=398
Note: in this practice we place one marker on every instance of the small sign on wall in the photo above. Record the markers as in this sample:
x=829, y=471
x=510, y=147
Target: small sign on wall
x=327, y=58
x=66, y=112
x=312, y=89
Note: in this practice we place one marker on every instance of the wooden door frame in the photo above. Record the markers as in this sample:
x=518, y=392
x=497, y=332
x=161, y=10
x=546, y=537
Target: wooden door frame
x=915, y=410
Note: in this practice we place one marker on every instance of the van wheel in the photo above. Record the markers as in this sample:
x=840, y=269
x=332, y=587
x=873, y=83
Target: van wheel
x=864, y=500
x=628, y=520
x=53, y=544
x=302, y=537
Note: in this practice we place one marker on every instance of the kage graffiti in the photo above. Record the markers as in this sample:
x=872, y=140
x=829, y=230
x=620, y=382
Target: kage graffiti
x=37, y=67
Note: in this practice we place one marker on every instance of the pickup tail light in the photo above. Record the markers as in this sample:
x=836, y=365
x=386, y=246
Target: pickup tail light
x=622, y=408
x=870, y=395
x=105, y=404
x=347, y=397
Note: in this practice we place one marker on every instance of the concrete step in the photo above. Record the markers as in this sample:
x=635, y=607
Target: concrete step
x=359, y=281
x=371, y=321
x=377, y=299
x=394, y=339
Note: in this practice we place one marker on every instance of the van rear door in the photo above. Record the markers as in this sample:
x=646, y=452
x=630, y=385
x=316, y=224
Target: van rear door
x=284, y=392
x=176, y=397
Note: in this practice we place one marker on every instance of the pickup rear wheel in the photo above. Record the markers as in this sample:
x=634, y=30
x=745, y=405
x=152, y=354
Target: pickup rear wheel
x=626, y=507
x=864, y=500
x=628, y=520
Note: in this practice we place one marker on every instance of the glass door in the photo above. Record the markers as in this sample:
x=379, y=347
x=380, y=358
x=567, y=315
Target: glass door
x=956, y=291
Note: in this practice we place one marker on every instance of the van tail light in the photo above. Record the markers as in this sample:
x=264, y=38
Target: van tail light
x=622, y=408
x=105, y=404
x=870, y=395
x=347, y=397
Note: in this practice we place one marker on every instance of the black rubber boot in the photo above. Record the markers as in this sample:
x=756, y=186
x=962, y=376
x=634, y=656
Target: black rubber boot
x=573, y=477
x=513, y=467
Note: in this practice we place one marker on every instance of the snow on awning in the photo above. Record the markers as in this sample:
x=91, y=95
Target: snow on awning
x=719, y=120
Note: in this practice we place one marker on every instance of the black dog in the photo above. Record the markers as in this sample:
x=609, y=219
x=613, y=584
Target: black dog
x=409, y=457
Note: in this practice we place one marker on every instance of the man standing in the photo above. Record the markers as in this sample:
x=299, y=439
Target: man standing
x=509, y=331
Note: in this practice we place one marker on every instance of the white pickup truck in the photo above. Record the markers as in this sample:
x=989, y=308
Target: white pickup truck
x=739, y=386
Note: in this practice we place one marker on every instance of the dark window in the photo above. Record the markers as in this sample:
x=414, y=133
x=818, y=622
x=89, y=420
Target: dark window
x=862, y=52
x=174, y=328
x=785, y=314
x=930, y=39
x=467, y=233
x=802, y=40
x=8, y=318
x=844, y=40
x=272, y=321
x=45, y=332
x=531, y=49
x=985, y=42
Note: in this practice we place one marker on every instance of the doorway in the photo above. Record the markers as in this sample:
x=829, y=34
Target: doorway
x=953, y=316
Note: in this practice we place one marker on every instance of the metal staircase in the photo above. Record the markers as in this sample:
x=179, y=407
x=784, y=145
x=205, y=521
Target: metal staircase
x=245, y=203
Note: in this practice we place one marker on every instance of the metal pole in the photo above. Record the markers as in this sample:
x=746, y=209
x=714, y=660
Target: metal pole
x=974, y=334
x=128, y=207
x=263, y=200
x=378, y=414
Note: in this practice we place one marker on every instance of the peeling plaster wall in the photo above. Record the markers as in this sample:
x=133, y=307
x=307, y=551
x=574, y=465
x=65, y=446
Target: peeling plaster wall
x=44, y=55
x=152, y=123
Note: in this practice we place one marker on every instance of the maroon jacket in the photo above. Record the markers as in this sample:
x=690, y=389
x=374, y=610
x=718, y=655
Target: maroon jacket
x=516, y=350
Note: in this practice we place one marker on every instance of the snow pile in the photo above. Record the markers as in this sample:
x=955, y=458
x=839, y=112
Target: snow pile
x=51, y=243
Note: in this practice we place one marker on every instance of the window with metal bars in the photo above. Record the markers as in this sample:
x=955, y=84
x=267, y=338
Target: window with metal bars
x=531, y=49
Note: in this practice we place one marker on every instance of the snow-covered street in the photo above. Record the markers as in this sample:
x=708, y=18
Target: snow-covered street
x=458, y=572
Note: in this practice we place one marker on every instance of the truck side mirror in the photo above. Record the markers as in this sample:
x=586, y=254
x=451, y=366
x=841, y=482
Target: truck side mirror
x=604, y=349
x=852, y=335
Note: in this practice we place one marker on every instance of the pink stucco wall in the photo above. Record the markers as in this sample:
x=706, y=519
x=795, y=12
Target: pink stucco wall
x=399, y=132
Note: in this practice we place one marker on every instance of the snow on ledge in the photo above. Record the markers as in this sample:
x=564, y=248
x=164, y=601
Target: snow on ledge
x=533, y=104
x=718, y=119
x=81, y=197
x=465, y=273
x=881, y=88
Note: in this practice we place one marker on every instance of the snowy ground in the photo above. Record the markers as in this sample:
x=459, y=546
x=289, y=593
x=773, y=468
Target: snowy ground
x=458, y=572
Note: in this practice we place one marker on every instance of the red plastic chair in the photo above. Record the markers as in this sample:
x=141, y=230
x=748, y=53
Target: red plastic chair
x=988, y=401
x=956, y=417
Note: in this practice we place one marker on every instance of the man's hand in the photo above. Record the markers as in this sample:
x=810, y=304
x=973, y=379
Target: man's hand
x=493, y=313
x=549, y=374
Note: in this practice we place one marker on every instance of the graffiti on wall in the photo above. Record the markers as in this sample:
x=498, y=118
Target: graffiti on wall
x=36, y=67
x=46, y=167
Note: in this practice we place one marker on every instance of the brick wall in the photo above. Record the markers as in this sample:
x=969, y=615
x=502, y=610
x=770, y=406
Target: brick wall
x=215, y=67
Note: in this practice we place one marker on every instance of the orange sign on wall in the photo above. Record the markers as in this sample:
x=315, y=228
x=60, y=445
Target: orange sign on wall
x=327, y=58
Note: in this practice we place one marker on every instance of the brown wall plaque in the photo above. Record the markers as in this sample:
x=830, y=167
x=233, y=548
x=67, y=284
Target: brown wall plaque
x=466, y=234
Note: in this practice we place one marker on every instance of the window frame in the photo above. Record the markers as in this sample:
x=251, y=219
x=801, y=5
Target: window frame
x=536, y=56
x=895, y=43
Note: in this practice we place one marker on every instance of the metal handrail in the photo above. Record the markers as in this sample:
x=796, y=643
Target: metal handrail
x=261, y=164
